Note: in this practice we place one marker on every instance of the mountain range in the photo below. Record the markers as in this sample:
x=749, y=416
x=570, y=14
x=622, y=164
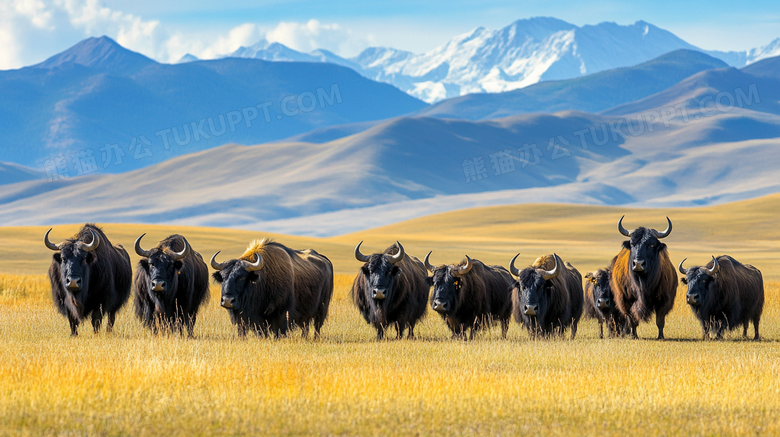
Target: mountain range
x=521, y=54
x=98, y=94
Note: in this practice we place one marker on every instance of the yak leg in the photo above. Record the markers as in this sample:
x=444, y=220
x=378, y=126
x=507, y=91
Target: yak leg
x=74, y=326
x=400, y=327
x=756, y=321
x=411, y=332
x=504, y=327
x=242, y=328
x=574, y=330
x=305, y=330
x=660, y=322
x=110, y=324
x=97, y=320
x=191, y=325
x=601, y=329
x=744, y=330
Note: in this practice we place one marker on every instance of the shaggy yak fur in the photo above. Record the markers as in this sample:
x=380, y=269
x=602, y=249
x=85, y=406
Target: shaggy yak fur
x=292, y=289
x=405, y=292
x=600, y=303
x=730, y=297
x=104, y=276
x=477, y=299
x=169, y=292
x=640, y=294
x=558, y=300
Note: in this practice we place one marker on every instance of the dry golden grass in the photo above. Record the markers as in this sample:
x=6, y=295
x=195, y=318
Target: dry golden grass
x=134, y=383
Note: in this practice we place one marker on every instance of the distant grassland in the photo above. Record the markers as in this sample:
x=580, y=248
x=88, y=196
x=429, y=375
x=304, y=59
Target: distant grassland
x=133, y=383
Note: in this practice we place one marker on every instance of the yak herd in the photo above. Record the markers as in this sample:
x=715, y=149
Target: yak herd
x=271, y=288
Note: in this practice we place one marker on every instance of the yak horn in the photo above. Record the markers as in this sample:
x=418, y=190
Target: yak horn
x=623, y=230
x=398, y=256
x=512, y=269
x=359, y=256
x=139, y=250
x=428, y=265
x=255, y=266
x=215, y=265
x=665, y=233
x=49, y=244
x=552, y=274
x=715, y=267
x=93, y=244
x=461, y=271
x=682, y=269
x=184, y=253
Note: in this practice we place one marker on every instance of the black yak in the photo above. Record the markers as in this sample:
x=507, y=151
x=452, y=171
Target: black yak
x=643, y=278
x=725, y=294
x=171, y=284
x=273, y=288
x=390, y=289
x=89, y=277
x=600, y=303
x=471, y=295
x=547, y=296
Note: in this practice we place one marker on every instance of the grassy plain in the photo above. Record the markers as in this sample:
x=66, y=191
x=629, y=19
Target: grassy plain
x=134, y=383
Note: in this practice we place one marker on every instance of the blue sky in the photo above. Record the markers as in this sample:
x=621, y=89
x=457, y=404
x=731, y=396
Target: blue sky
x=31, y=30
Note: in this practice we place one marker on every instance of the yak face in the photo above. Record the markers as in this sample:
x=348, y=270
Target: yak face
x=700, y=285
x=380, y=276
x=701, y=282
x=75, y=267
x=162, y=271
x=446, y=289
x=602, y=291
x=534, y=293
x=645, y=250
x=237, y=283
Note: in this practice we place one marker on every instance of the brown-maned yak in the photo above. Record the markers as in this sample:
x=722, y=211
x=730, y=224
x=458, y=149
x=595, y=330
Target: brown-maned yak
x=644, y=281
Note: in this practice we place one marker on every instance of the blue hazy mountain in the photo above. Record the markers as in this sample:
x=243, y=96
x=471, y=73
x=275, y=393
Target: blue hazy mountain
x=99, y=93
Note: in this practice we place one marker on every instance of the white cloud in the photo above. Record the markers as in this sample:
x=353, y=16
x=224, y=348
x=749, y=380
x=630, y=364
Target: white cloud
x=32, y=30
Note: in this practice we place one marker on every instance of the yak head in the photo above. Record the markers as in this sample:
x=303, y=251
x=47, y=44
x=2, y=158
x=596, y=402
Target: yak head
x=535, y=288
x=238, y=278
x=701, y=282
x=447, y=282
x=75, y=259
x=602, y=291
x=380, y=271
x=162, y=267
x=645, y=246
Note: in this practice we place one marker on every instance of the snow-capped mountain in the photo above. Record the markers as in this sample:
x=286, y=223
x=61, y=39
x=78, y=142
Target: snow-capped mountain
x=524, y=53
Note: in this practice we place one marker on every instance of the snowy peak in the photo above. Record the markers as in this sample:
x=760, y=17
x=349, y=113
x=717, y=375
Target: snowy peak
x=101, y=53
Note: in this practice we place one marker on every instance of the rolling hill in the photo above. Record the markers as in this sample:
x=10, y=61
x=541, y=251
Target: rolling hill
x=98, y=93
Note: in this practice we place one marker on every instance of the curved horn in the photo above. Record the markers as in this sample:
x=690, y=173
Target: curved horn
x=139, y=251
x=460, y=271
x=428, y=265
x=398, y=256
x=552, y=274
x=255, y=266
x=215, y=265
x=184, y=253
x=49, y=244
x=623, y=230
x=715, y=267
x=359, y=256
x=93, y=244
x=682, y=269
x=665, y=233
x=512, y=269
